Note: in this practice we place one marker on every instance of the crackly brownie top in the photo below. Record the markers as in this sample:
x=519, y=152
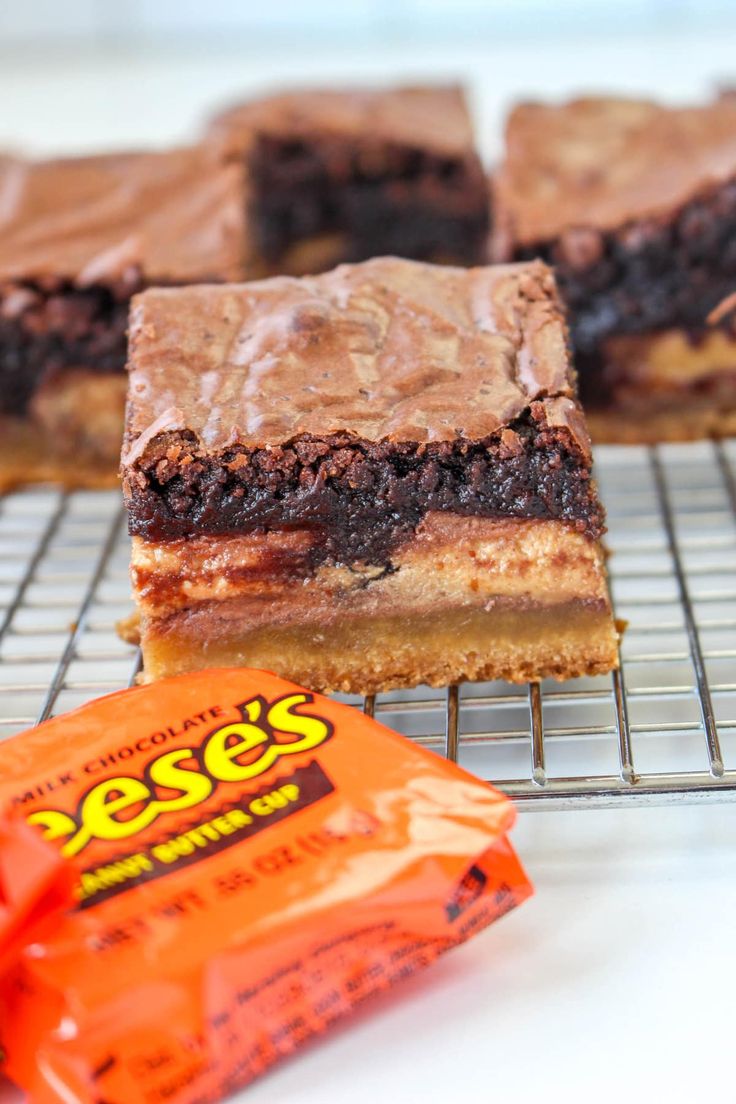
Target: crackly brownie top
x=171, y=216
x=603, y=162
x=387, y=350
x=433, y=117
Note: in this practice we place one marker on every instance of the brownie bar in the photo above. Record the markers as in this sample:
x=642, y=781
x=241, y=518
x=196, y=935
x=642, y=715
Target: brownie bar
x=77, y=238
x=315, y=467
x=347, y=175
x=635, y=206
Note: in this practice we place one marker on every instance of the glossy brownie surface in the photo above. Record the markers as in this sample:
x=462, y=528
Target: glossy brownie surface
x=601, y=162
x=172, y=216
x=434, y=117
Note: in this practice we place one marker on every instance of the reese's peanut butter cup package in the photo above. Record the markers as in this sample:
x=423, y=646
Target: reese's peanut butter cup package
x=250, y=862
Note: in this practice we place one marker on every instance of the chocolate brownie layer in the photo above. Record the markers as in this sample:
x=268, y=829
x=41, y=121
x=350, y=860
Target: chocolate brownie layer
x=414, y=204
x=650, y=274
x=386, y=171
x=354, y=402
x=44, y=333
x=363, y=497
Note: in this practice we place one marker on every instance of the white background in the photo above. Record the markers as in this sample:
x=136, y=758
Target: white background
x=617, y=980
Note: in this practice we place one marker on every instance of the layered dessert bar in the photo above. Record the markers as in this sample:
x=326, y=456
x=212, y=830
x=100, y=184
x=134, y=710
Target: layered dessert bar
x=77, y=238
x=371, y=478
x=345, y=175
x=635, y=206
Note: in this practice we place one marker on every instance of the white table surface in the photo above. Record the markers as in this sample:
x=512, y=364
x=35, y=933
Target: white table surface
x=617, y=979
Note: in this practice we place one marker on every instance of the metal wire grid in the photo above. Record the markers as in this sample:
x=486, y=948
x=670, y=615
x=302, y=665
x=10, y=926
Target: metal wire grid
x=663, y=729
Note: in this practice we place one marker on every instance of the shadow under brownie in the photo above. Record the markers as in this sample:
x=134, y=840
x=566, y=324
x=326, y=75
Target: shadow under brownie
x=634, y=204
x=77, y=238
x=367, y=479
x=348, y=174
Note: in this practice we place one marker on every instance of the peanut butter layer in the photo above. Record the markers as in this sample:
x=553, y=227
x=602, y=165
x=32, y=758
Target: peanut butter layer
x=672, y=360
x=80, y=414
x=70, y=434
x=26, y=458
x=649, y=423
x=465, y=598
x=664, y=387
x=449, y=560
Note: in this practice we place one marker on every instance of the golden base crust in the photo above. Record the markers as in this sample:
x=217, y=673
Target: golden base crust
x=373, y=655
x=24, y=458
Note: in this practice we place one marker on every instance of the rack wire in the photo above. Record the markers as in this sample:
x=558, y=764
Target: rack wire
x=663, y=729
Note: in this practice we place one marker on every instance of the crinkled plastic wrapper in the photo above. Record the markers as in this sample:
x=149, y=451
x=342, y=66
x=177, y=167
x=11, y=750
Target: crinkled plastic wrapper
x=250, y=862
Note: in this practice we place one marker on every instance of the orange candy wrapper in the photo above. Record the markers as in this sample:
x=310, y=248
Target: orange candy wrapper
x=251, y=861
x=36, y=883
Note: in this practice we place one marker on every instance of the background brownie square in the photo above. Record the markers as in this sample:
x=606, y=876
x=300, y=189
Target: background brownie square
x=634, y=204
x=77, y=238
x=347, y=174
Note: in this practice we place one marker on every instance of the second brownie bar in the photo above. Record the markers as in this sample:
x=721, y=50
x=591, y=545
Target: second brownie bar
x=77, y=238
x=367, y=479
x=343, y=175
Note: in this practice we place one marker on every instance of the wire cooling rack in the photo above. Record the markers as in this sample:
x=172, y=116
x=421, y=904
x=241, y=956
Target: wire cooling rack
x=662, y=730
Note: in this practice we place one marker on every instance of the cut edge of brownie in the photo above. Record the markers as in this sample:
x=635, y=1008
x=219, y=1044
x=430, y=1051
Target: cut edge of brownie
x=364, y=497
x=48, y=329
x=414, y=202
x=649, y=274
